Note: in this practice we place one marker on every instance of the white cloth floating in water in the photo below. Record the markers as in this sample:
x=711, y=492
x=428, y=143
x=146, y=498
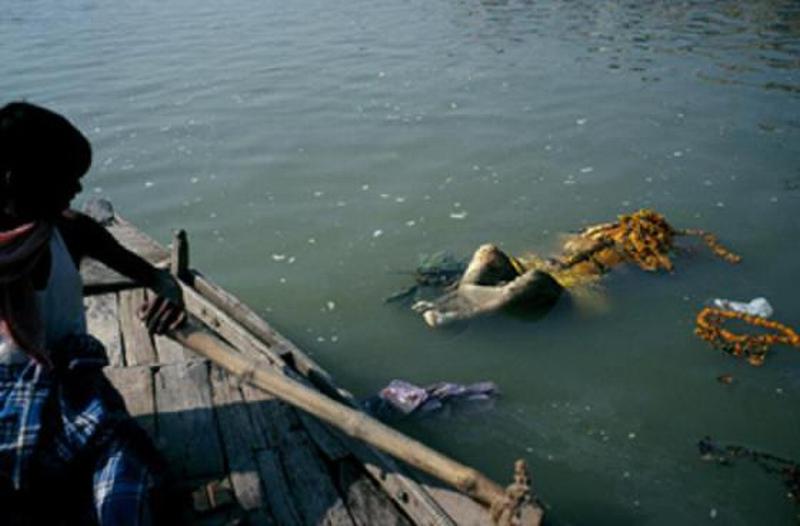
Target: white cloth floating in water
x=756, y=306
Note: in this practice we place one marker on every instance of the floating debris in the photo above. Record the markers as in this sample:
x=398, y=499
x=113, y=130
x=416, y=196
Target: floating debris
x=726, y=379
x=755, y=307
x=440, y=269
x=727, y=455
x=401, y=398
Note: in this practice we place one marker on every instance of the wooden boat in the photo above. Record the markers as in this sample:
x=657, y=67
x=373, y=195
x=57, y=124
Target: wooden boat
x=238, y=455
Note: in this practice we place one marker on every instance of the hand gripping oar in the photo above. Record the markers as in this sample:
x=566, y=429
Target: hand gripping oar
x=509, y=507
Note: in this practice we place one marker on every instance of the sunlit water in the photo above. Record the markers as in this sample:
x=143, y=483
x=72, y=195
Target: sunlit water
x=314, y=150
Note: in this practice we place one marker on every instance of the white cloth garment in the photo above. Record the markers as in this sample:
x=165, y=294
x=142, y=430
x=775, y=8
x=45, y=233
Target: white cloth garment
x=60, y=302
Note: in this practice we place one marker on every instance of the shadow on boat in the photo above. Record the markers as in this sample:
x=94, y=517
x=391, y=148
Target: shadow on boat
x=263, y=462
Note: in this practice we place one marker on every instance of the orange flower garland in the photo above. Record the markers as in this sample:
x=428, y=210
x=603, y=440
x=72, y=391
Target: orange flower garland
x=644, y=238
x=753, y=346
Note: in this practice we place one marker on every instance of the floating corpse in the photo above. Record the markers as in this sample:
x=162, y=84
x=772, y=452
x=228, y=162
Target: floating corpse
x=494, y=280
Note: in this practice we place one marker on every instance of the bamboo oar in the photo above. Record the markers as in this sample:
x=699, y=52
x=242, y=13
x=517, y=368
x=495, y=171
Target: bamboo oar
x=352, y=422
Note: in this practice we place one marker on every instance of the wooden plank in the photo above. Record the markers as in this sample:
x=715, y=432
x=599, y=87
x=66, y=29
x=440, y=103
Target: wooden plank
x=239, y=438
x=276, y=488
x=223, y=324
x=170, y=351
x=309, y=478
x=311, y=482
x=326, y=438
x=366, y=503
x=138, y=242
x=187, y=429
x=406, y=492
x=137, y=344
x=135, y=385
x=276, y=343
x=463, y=510
x=102, y=321
x=271, y=418
x=99, y=279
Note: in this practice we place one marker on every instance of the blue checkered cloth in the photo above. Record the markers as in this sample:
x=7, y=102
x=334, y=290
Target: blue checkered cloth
x=67, y=430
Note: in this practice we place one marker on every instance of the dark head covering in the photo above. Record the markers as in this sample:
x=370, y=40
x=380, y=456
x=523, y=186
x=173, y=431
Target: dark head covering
x=42, y=156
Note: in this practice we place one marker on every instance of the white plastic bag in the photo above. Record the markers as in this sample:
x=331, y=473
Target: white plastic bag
x=756, y=306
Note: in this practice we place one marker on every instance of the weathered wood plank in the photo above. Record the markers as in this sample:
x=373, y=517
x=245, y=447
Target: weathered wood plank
x=137, y=344
x=276, y=343
x=311, y=482
x=170, y=351
x=137, y=241
x=239, y=437
x=326, y=439
x=271, y=418
x=276, y=488
x=187, y=429
x=99, y=279
x=366, y=503
x=220, y=322
x=102, y=320
x=406, y=492
x=135, y=384
x=463, y=510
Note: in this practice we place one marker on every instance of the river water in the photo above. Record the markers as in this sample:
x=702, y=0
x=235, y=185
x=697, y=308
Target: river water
x=314, y=150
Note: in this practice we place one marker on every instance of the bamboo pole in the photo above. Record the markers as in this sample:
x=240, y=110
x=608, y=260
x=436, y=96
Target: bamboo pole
x=352, y=422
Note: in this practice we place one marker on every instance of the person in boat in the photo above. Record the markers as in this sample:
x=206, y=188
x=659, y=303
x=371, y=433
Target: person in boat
x=65, y=436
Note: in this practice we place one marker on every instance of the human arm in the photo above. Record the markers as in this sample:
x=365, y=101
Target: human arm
x=86, y=237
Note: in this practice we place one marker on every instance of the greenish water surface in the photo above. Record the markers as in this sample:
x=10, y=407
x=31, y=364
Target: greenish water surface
x=314, y=150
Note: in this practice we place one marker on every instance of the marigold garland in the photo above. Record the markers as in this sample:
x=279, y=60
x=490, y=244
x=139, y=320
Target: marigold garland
x=645, y=238
x=753, y=346
x=713, y=243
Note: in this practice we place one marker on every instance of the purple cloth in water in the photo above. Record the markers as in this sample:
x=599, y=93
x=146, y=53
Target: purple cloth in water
x=408, y=398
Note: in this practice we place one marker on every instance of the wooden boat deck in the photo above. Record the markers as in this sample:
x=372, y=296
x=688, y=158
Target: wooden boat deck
x=238, y=455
